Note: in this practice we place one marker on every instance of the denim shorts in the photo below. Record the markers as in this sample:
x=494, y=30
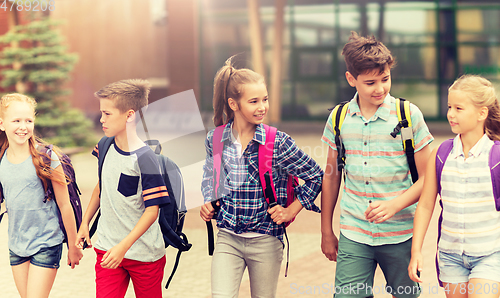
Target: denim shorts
x=456, y=268
x=48, y=257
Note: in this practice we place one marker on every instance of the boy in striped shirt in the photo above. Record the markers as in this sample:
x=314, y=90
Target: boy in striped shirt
x=379, y=200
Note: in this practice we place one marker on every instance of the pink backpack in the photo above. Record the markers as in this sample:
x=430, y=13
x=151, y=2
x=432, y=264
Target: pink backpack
x=265, y=174
x=265, y=167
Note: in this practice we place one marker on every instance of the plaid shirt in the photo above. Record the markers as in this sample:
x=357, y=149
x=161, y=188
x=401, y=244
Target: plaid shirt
x=243, y=206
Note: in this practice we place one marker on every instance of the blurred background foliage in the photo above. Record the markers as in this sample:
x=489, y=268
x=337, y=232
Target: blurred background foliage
x=35, y=62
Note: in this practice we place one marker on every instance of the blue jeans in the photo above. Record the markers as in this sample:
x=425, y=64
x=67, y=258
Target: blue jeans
x=262, y=255
x=455, y=268
x=48, y=257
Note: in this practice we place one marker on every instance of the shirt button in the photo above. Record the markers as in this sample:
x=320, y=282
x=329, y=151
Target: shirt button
x=366, y=124
x=365, y=143
x=367, y=182
x=366, y=163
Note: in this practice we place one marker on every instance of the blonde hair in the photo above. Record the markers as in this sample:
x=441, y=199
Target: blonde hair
x=43, y=171
x=229, y=83
x=127, y=94
x=482, y=94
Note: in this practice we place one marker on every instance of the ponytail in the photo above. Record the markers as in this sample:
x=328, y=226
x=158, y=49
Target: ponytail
x=222, y=111
x=492, y=123
x=229, y=83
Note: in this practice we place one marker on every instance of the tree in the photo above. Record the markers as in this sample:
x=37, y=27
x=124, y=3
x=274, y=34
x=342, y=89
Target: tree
x=36, y=63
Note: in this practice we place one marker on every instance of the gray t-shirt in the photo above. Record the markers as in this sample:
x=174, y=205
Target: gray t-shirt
x=33, y=224
x=131, y=181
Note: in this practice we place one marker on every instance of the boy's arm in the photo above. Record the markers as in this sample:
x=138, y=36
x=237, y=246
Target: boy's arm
x=62, y=200
x=423, y=215
x=83, y=232
x=381, y=211
x=329, y=197
x=113, y=257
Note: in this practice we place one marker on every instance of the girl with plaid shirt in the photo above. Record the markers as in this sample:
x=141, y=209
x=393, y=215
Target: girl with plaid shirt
x=251, y=234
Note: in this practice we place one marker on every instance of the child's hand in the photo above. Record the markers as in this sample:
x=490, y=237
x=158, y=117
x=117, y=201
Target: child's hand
x=82, y=236
x=280, y=215
x=330, y=246
x=207, y=211
x=415, y=266
x=113, y=257
x=380, y=211
x=75, y=254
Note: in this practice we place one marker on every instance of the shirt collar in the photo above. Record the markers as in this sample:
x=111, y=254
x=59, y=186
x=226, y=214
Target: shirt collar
x=259, y=136
x=382, y=112
x=482, y=146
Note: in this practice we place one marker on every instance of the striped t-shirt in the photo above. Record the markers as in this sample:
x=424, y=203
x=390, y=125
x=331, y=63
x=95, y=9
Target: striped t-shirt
x=471, y=223
x=376, y=169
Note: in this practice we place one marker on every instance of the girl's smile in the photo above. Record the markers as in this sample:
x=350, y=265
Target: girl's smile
x=253, y=104
x=18, y=122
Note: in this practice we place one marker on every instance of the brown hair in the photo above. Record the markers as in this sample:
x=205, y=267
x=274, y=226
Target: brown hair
x=127, y=94
x=43, y=171
x=366, y=54
x=482, y=94
x=229, y=83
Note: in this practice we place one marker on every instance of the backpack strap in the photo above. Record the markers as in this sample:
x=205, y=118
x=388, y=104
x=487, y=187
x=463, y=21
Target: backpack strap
x=177, y=259
x=46, y=157
x=1, y=190
x=266, y=179
x=405, y=127
x=217, y=149
x=441, y=155
x=494, y=163
x=1, y=200
x=265, y=166
x=103, y=147
x=338, y=116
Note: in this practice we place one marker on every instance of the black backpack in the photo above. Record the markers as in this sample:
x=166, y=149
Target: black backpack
x=73, y=190
x=172, y=215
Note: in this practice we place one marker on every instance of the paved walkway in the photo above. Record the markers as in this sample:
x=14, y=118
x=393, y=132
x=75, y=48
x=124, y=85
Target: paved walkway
x=310, y=273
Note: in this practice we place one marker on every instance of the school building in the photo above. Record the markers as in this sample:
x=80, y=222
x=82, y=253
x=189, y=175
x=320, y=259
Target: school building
x=180, y=44
x=433, y=41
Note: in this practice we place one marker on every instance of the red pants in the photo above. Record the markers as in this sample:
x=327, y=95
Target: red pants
x=146, y=278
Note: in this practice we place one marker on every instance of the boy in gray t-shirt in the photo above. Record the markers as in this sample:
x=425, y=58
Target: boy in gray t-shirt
x=130, y=244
